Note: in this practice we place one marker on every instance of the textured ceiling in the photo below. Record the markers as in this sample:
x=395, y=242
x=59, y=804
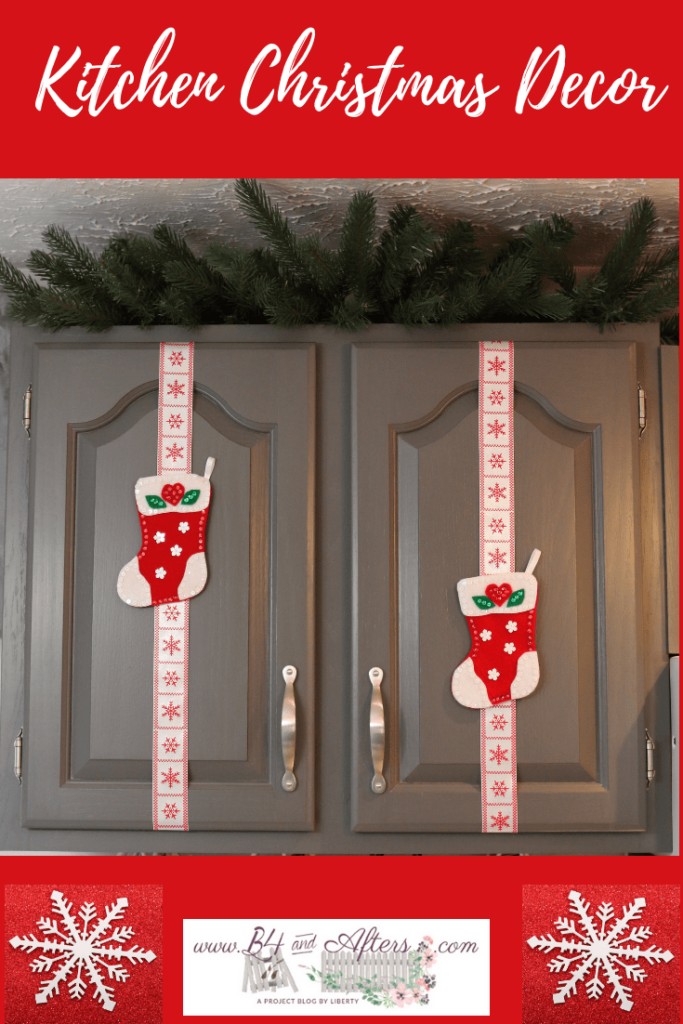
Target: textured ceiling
x=94, y=209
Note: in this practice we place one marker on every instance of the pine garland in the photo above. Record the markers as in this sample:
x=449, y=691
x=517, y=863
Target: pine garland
x=410, y=273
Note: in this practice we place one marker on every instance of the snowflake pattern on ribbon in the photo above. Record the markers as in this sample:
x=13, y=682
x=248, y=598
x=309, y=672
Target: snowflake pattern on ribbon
x=89, y=952
x=496, y=365
x=608, y=952
x=496, y=429
x=499, y=754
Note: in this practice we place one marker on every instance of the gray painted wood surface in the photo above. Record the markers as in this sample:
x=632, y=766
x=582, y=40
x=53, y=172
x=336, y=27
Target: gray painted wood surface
x=671, y=442
x=339, y=758
x=580, y=758
x=89, y=726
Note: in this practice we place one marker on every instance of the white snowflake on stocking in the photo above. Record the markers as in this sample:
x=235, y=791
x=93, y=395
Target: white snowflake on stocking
x=599, y=954
x=87, y=953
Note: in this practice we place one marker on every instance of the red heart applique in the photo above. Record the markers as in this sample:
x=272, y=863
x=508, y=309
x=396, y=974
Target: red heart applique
x=498, y=594
x=172, y=493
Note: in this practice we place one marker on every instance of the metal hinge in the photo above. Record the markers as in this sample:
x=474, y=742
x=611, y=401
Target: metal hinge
x=642, y=410
x=649, y=757
x=18, y=755
x=26, y=410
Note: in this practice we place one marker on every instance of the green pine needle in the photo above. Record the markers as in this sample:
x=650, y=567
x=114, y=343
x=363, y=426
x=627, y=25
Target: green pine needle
x=410, y=272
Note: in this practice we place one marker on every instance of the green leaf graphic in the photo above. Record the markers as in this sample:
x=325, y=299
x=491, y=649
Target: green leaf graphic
x=483, y=602
x=190, y=498
x=154, y=501
x=515, y=598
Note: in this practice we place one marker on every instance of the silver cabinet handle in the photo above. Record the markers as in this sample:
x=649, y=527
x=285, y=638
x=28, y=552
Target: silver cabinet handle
x=288, y=728
x=379, y=783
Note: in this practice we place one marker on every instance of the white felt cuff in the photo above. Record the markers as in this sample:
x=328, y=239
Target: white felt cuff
x=476, y=586
x=153, y=485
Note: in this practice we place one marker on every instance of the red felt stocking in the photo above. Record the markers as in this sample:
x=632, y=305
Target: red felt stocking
x=501, y=614
x=171, y=563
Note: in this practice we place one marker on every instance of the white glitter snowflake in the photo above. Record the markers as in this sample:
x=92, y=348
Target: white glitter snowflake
x=83, y=951
x=599, y=951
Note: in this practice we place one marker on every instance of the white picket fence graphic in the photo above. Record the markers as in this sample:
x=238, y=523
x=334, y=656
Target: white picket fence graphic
x=266, y=975
x=383, y=970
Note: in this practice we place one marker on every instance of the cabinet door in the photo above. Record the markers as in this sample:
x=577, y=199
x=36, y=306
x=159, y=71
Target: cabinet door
x=416, y=531
x=89, y=728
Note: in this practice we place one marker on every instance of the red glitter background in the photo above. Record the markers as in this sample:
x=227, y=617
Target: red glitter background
x=138, y=1000
x=656, y=1000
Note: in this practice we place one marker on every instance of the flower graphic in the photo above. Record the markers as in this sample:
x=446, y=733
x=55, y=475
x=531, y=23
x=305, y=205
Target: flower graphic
x=428, y=958
x=382, y=979
x=401, y=995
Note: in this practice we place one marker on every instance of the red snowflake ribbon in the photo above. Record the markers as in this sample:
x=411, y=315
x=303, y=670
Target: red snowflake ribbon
x=496, y=554
x=172, y=621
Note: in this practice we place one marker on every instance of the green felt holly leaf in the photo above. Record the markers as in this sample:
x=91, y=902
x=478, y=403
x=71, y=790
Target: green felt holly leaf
x=154, y=501
x=483, y=602
x=190, y=498
x=516, y=597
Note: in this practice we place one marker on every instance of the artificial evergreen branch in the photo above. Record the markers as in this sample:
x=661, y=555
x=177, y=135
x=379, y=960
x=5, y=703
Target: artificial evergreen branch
x=410, y=272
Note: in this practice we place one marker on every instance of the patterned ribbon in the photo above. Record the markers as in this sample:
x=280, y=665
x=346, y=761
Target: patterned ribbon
x=172, y=621
x=498, y=732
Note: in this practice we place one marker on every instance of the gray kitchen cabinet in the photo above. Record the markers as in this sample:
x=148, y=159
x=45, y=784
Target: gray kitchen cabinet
x=344, y=513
